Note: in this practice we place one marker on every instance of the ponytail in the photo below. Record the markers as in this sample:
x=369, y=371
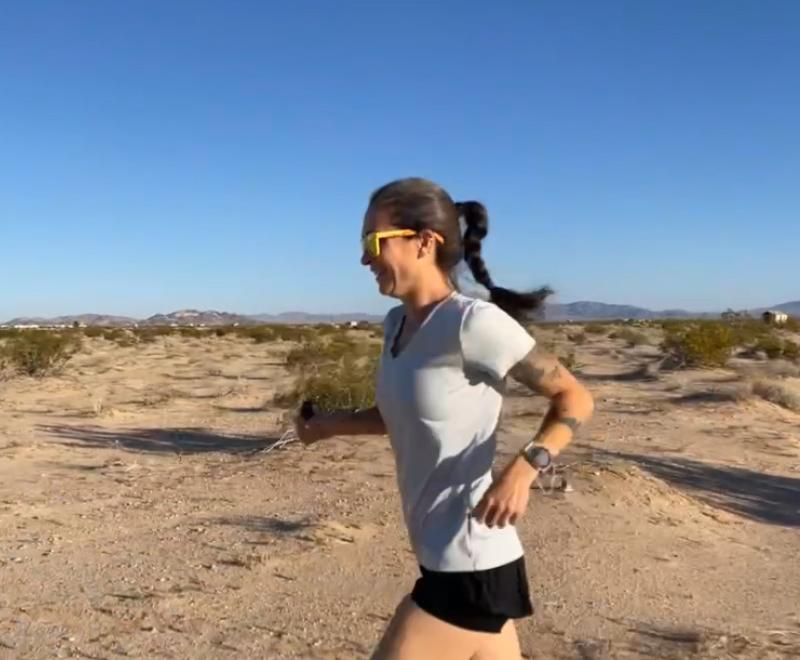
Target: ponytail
x=517, y=304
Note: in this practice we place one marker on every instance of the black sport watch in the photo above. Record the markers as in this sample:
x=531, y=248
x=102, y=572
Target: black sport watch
x=538, y=456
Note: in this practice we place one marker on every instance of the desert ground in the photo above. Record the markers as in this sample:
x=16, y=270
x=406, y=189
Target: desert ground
x=143, y=514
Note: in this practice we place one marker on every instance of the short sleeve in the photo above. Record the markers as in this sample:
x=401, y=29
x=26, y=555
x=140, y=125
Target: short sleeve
x=491, y=340
x=390, y=322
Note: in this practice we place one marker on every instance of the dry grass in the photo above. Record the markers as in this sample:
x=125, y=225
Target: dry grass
x=781, y=394
x=771, y=370
x=776, y=382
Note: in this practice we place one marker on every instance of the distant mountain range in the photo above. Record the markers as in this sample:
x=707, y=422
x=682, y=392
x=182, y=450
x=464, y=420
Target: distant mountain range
x=193, y=317
x=576, y=311
x=84, y=319
x=303, y=317
x=588, y=311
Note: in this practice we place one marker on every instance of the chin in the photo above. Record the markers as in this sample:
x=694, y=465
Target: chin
x=387, y=289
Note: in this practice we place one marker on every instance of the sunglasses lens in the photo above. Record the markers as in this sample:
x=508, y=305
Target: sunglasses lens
x=371, y=245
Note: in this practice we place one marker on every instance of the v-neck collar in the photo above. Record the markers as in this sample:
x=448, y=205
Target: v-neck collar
x=400, y=326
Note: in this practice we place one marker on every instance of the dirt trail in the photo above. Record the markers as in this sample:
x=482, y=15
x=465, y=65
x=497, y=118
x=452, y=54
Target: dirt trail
x=139, y=519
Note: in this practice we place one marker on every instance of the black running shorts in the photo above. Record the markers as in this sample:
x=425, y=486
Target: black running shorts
x=476, y=600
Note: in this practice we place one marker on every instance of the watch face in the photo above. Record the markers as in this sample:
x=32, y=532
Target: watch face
x=540, y=457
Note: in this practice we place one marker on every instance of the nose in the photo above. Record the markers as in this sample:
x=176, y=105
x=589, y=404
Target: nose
x=366, y=260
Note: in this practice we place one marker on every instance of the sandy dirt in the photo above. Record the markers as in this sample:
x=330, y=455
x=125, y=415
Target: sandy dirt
x=141, y=517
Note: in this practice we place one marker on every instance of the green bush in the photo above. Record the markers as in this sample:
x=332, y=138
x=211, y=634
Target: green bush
x=39, y=352
x=700, y=345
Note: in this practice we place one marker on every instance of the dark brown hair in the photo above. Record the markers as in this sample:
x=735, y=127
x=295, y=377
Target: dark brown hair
x=420, y=204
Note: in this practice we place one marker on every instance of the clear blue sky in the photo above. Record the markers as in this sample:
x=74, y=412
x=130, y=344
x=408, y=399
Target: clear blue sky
x=160, y=154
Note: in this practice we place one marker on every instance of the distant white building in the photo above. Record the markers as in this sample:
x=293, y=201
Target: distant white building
x=775, y=317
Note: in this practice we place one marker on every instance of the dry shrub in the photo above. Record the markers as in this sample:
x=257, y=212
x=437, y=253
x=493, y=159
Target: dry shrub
x=116, y=334
x=261, y=334
x=350, y=385
x=749, y=331
x=569, y=360
x=156, y=397
x=735, y=392
x=579, y=338
x=149, y=334
x=596, y=329
x=778, y=393
x=317, y=352
x=93, y=331
x=194, y=333
x=699, y=345
x=292, y=332
x=781, y=369
x=324, y=330
x=335, y=374
x=224, y=330
x=776, y=347
x=631, y=337
x=123, y=339
x=39, y=352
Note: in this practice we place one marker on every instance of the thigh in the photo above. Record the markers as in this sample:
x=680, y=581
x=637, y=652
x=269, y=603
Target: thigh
x=503, y=646
x=413, y=634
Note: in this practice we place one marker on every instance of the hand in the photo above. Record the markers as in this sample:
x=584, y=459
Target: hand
x=507, y=498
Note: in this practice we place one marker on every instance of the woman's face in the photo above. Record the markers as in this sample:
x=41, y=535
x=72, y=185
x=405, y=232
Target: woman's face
x=397, y=268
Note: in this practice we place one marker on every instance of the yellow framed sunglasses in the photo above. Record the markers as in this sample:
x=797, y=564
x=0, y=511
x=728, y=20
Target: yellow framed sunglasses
x=371, y=242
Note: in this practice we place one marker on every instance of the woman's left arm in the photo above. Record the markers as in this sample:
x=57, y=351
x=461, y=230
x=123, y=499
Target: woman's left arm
x=571, y=405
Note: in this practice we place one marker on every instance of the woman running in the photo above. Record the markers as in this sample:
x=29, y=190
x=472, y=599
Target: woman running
x=439, y=393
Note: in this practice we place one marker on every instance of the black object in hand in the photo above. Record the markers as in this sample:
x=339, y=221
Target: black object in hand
x=308, y=410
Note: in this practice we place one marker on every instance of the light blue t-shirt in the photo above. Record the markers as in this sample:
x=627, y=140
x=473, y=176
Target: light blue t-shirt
x=441, y=399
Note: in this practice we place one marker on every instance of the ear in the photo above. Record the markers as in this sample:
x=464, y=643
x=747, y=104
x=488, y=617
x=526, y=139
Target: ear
x=427, y=243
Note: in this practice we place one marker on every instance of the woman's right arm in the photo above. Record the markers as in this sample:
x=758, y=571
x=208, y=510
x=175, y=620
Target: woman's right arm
x=328, y=425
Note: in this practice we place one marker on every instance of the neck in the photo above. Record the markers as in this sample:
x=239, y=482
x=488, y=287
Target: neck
x=420, y=302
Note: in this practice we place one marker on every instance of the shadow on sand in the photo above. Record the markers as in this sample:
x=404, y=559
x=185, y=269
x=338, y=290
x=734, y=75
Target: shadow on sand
x=767, y=498
x=158, y=440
